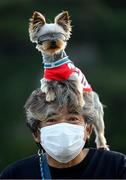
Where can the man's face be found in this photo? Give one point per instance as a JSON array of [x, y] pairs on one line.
[[54, 117]]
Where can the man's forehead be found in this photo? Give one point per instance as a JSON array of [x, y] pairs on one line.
[[54, 111]]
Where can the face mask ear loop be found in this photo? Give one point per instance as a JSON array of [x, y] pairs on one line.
[[40, 154]]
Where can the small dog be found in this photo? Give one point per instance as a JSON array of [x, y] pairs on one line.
[[51, 40]]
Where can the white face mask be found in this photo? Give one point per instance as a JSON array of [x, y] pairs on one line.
[[62, 141]]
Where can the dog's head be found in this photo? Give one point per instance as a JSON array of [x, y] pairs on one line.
[[50, 38]]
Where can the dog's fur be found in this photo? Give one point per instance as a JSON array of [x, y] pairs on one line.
[[51, 40]]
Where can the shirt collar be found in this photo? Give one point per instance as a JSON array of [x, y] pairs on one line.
[[57, 63]]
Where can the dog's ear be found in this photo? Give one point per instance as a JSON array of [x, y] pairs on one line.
[[63, 19], [36, 21]]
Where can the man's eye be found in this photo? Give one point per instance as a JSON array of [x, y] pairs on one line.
[[73, 119]]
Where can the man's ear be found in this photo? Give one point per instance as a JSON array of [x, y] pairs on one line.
[[63, 19], [36, 21], [88, 131], [36, 136]]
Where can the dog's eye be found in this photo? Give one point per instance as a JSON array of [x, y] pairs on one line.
[[39, 42], [60, 36], [48, 36], [43, 38]]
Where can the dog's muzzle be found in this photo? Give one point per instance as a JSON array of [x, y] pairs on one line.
[[51, 37]]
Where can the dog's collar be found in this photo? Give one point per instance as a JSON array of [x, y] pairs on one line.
[[57, 63]]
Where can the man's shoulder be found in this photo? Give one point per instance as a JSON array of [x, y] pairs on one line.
[[24, 161], [108, 164], [109, 155], [19, 166], [112, 153], [103, 151]]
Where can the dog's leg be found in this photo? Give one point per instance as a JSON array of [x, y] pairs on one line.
[[50, 96], [74, 77], [45, 87], [99, 123], [99, 131]]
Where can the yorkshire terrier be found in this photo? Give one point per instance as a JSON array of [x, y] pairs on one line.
[[51, 40]]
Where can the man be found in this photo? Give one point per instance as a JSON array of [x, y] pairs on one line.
[[61, 128]]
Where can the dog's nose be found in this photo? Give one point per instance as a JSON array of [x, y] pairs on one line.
[[53, 44]]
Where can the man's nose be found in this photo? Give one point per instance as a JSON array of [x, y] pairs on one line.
[[63, 120]]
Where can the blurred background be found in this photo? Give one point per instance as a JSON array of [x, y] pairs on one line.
[[97, 46]]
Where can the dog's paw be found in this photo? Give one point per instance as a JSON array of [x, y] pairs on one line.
[[44, 89], [50, 96], [44, 86], [106, 147]]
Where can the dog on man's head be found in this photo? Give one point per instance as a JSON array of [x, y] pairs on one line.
[[51, 40]]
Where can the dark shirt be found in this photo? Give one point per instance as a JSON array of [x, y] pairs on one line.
[[98, 164]]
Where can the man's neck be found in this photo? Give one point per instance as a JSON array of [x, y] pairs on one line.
[[52, 58]]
